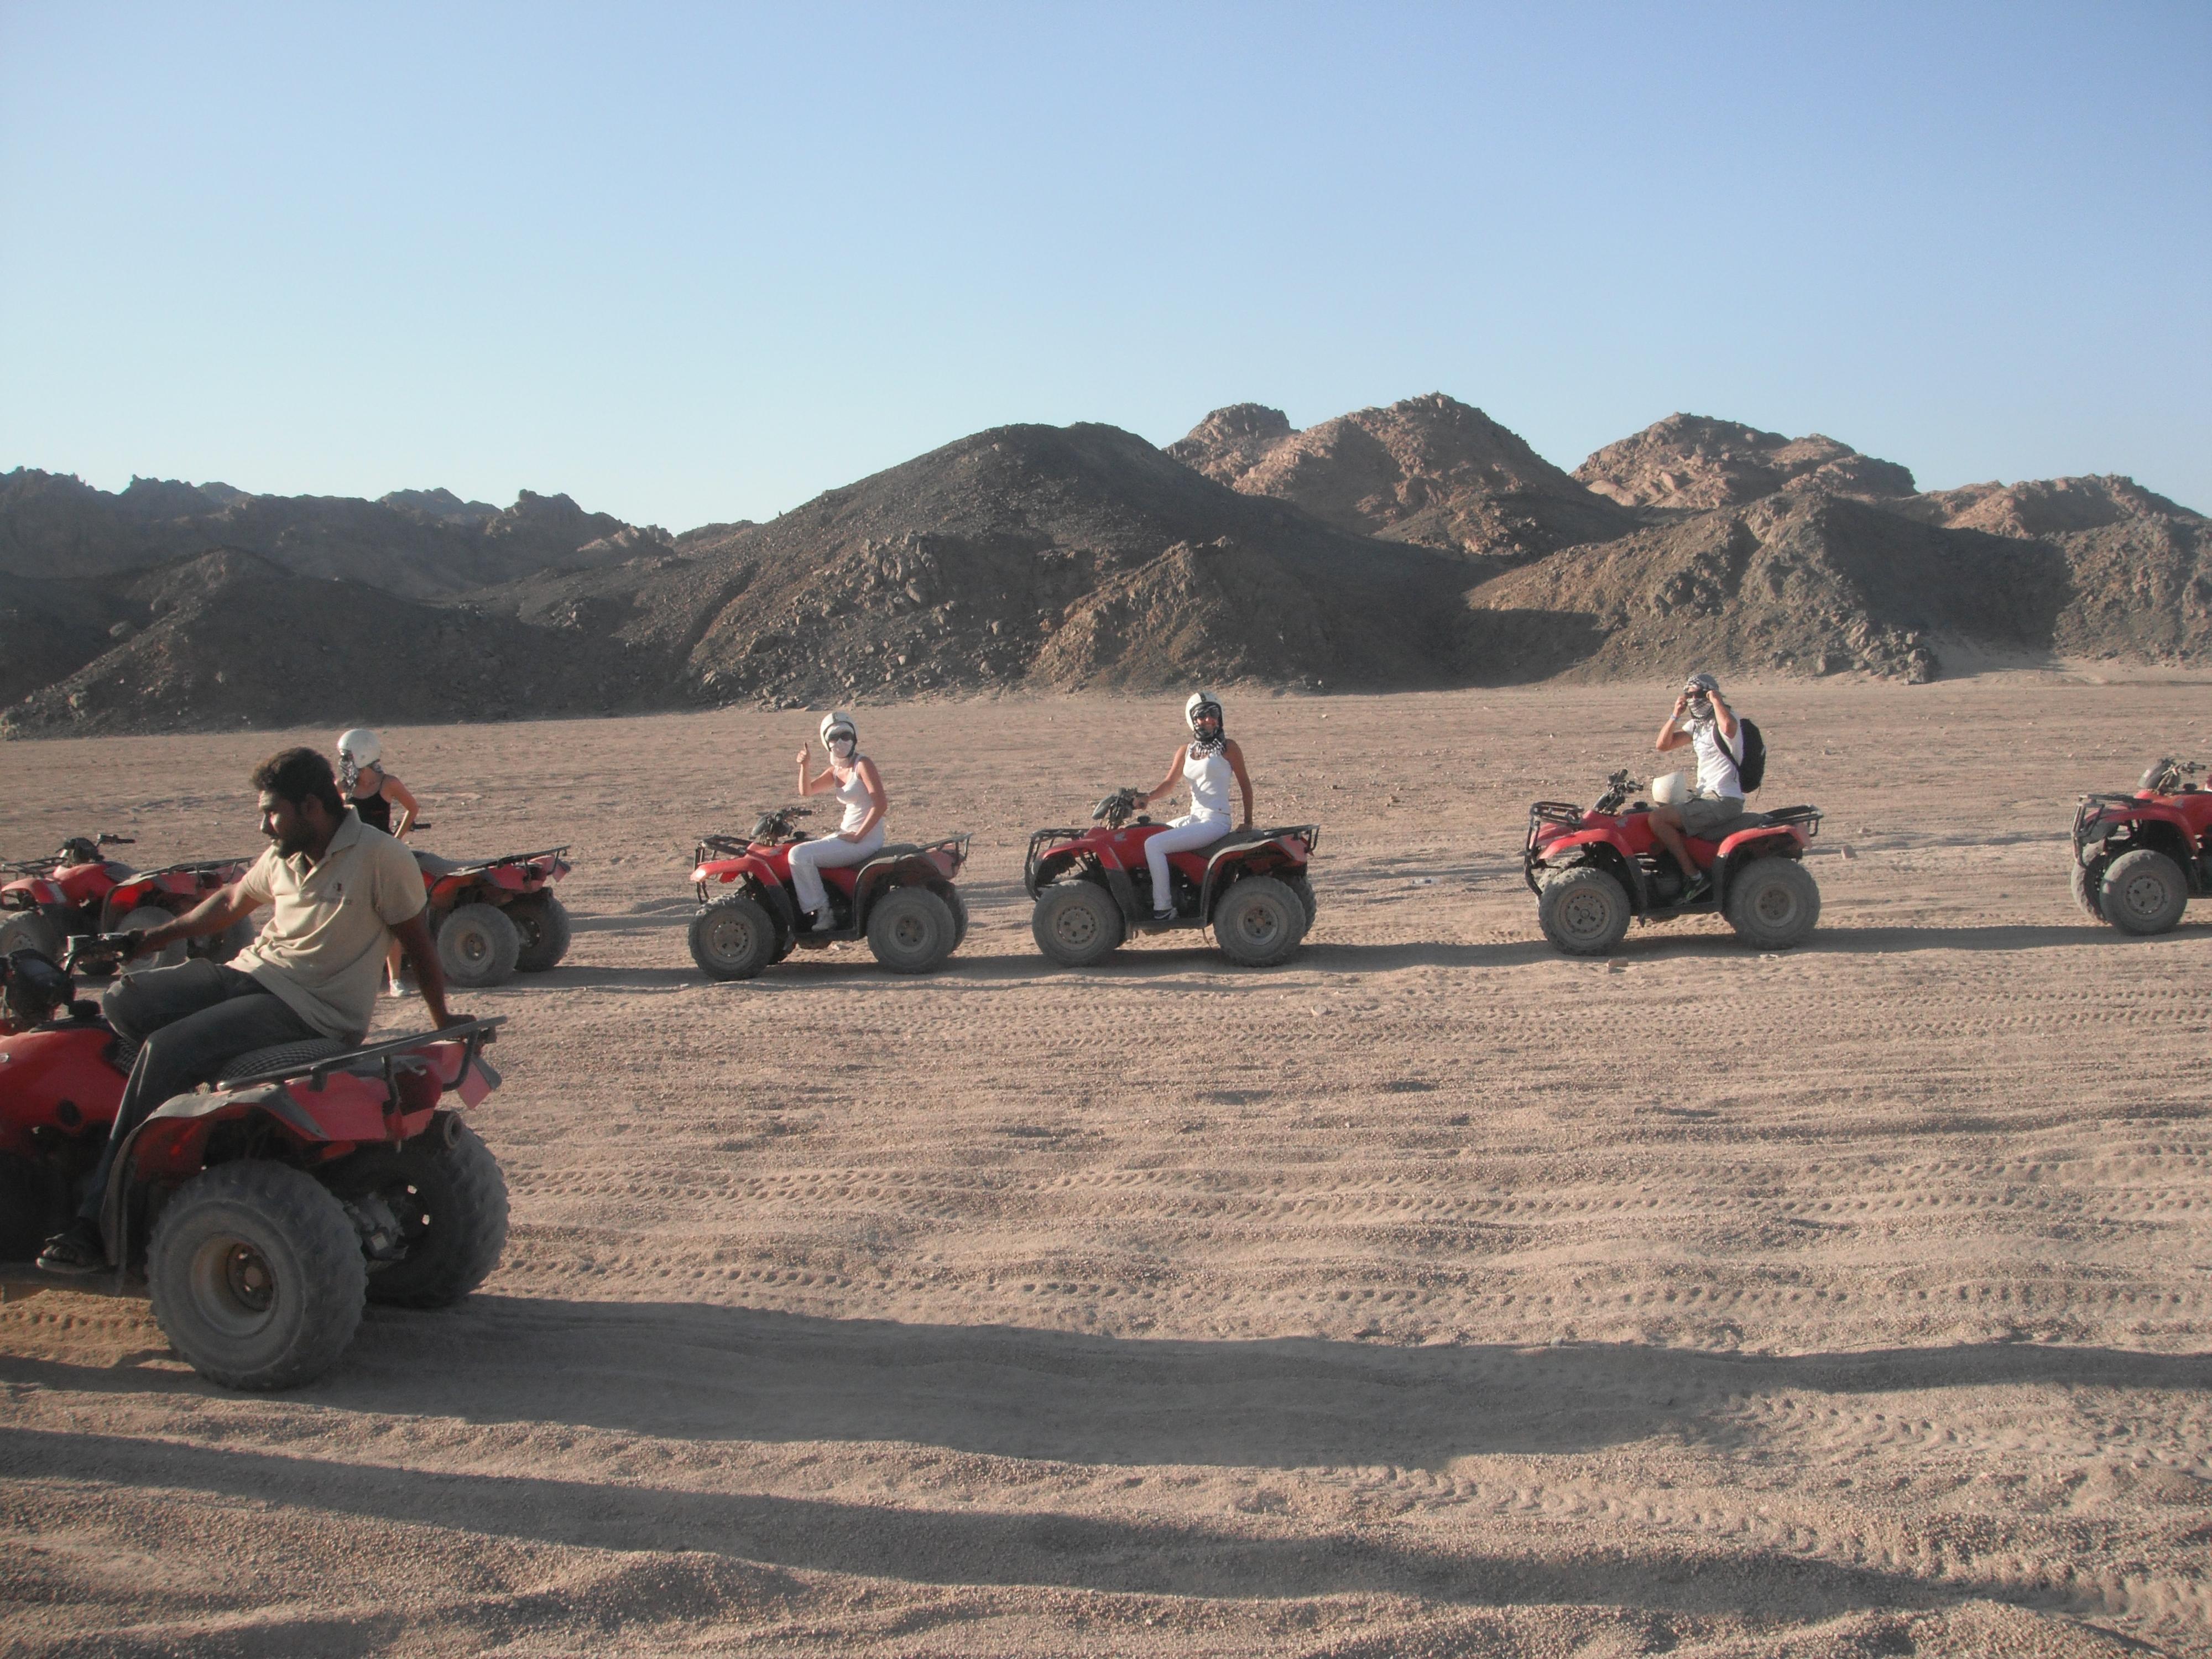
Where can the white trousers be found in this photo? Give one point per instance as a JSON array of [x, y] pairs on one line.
[[1194, 829], [810, 858]]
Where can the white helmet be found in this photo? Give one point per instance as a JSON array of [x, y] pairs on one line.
[[357, 749], [835, 721], [1199, 700]]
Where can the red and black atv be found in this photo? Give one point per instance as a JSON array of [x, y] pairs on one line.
[[495, 918], [902, 901], [257, 1212], [1593, 870], [77, 892], [1093, 886], [2137, 859]]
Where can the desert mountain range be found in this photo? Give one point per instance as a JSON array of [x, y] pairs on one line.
[[1423, 544]]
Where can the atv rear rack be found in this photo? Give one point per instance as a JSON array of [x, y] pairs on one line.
[[475, 1032], [1805, 817], [482, 865]]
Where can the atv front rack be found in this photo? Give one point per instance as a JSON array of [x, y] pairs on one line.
[[474, 1032]]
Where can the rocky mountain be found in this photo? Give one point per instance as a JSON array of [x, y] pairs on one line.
[[1431, 470], [1414, 546], [1693, 463], [418, 544], [230, 638]]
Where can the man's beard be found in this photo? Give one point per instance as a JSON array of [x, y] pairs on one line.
[[299, 841]]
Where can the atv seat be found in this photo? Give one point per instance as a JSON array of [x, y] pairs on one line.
[[431, 864], [903, 849], [304, 1052], [1735, 826]]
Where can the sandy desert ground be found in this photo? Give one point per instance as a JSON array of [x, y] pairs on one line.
[[1431, 1295]]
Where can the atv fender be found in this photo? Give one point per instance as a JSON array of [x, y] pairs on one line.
[[1602, 848], [906, 866], [1240, 856], [1767, 841]]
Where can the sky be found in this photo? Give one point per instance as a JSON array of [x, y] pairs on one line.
[[691, 264]]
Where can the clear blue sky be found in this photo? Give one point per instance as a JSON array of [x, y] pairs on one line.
[[699, 263]]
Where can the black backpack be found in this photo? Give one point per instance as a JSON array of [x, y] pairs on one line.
[[1751, 770]]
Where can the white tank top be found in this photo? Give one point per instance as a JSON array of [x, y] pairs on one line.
[[1716, 760], [1209, 779], [855, 795]]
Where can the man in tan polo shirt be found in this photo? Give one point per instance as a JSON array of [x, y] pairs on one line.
[[338, 891]]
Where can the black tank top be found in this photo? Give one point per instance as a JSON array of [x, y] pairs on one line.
[[375, 811]]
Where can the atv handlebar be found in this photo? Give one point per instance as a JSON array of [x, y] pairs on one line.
[[97, 951], [1618, 788], [2169, 776], [1113, 810]]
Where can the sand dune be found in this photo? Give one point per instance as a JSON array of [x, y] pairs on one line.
[[1431, 1295]]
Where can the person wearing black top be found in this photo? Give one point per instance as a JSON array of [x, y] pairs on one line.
[[372, 792]]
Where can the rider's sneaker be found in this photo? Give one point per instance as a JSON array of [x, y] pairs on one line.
[[1696, 891], [825, 922], [76, 1250]]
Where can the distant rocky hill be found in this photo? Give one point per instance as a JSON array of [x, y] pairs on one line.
[[418, 544], [1418, 545], [1691, 463], [1429, 470]]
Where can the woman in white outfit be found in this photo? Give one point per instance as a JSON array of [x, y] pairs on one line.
[[1207, 764], [860, 789]]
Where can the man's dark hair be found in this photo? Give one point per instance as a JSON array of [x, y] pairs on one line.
[[296, 774]]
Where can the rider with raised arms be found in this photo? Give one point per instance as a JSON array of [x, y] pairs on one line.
[[1207, 764], [851, 776], [1714, 730]]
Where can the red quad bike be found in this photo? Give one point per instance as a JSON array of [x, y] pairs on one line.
[[258, 1212], [1595, 870], [902, 901], [2138, 858], [496, 917], [1091, 886], [77, 892]]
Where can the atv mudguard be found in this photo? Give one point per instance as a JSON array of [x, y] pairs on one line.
[[1600, 847], [906, 865], [323, 1111], [1258, 852], [2156, 821], [1764, 840]]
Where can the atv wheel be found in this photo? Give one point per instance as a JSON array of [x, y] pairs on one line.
[[958, 905], [543, 921], [444, 1193], [2143, 892], [911, 930], [1076, 923], [733, 938], [138, 922], [1303, 886], [1583, 910], [2086, 880], [33, 931], [1773, 902], [1258, 922], [477, 946], [256, 1275]]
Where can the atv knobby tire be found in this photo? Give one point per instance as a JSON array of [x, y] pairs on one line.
[[543, 922], [1773, 902], [144, 918], [1258, 922], [959, 908], [444, 1190], [477, 946], [733, 938], [2086, 880], [1076, 923], [1583, 910], [911, 930], [1303, 886], [2143, 892], [256, 1275], [30, 930]]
